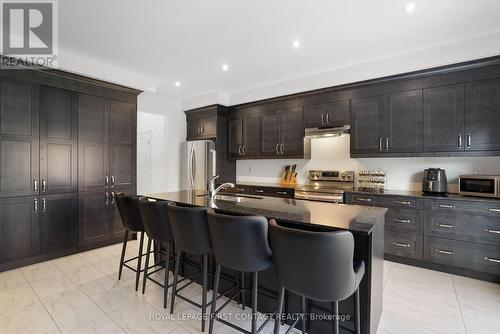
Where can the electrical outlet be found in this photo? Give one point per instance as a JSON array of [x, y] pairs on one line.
[[250, 169], [477, 171]]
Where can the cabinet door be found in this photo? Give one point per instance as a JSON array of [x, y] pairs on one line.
[[58, 222], [482, 115], [235, 136], [271, 136], [93, 143], [19, 138], [339, 113], [403, 122], [315, 115], [367, 125], [116, 227], [18, 228], [94, 217], [443, 120], [58, 140], [209, 127], [251, 134], [292, 131], [122, 144], [193, 127]]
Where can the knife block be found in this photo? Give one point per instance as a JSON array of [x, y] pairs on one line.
[[287, 178]]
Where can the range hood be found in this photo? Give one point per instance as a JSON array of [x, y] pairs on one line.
[[327, 132]]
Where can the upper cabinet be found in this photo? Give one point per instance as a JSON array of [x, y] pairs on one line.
[[204, 123], [368, 125], [332, 114], [244, 134]]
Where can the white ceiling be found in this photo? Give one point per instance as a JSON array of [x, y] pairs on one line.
[[188, 40]]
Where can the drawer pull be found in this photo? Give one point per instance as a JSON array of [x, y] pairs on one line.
[[442, 251], [240, 189], [489, 259], [492, 231], [446, 206], [400, 244], [402, 202], [282, 192], [363, 199], [493, 210], [445, 225], [402, 221], [259, 191]]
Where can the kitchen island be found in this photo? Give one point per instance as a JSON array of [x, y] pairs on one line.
[[366, 224]]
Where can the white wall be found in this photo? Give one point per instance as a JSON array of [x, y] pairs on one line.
[[163, 117], [333, 153]]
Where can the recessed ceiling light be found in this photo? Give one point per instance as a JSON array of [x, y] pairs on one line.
[[225, 67], [296, 44], [410, 7], [177, 84]]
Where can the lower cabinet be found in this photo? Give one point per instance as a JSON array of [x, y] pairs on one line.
[[403, 244], [58, 222], [19, 221]]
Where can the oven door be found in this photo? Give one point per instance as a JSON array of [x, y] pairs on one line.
[[320, 196], [478, 186]]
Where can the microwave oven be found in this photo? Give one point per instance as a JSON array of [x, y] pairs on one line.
[[479, 185]]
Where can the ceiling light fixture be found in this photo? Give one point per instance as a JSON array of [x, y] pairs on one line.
[[296, 44], [177, 84], [225, 67], [410, 7]]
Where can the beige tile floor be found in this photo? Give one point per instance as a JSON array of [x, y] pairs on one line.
[[81, 294]]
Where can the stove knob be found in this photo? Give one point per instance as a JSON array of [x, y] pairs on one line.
[[343, 175]]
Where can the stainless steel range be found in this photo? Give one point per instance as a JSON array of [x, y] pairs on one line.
[[326, 186]]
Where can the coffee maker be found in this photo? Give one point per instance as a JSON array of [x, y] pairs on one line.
[[435, 181]]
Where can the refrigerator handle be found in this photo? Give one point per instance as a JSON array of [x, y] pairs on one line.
[[193, 167]]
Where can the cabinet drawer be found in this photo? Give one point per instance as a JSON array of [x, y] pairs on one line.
[[399, 202], [238, 189], [469, 255], [403, 244], [360, 199], [272, 191], [404, 220], [463, 226], [488, 208]]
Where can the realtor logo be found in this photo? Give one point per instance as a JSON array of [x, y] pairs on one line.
[[29, 32]]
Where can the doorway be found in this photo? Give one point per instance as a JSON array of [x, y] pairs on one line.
[[144, 163]]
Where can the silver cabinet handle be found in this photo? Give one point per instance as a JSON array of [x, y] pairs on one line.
[[240, 189], [402, 202], [444, 206], [459, 140], [489, 259], [277, 146], [327, 118], [442, 251], [493, 210], [35, 205], [380, 144], [322, 118], [44, 185], [445, 225], [402, 221], [469, 140], [112, 181], [35, 185], [387, 144], [400, 244], [106, 195], [363, 199], [239, 150], [202, 128], [244, 149], [492, 231], [259, 190], [282, 147], [106, 181], [112, 197], [282, 192], [44, 205]]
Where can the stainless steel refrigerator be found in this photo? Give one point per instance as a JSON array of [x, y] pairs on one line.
[[201, 163]]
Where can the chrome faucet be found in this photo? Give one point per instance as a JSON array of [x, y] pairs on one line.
[[212, 191]]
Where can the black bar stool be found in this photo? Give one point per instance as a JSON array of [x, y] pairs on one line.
[[157, 225], [240, 243], [128, 207], [325, 260], [190, 231]]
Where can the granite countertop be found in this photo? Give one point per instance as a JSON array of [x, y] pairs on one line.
[[357, 219], [419, 194], [267, 184]]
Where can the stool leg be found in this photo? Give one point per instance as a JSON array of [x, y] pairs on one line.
[[279, 311], [145, 278], [122, 257], [242, 295], [303, 310], [204, 295], [357, 326], [139, 262], [174, 286], [254, 302], [214, 299], [335, 322], [167, 273]]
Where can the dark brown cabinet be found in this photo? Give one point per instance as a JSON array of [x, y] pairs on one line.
[[244, 135], [58, 222], [482, 115], [94, 217], [271, 133], [443, 119], [368, 125], [332, 114], [201, 127], [19, 138], [19, 228]]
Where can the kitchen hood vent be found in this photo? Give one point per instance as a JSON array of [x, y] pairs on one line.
[[327, 132]]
